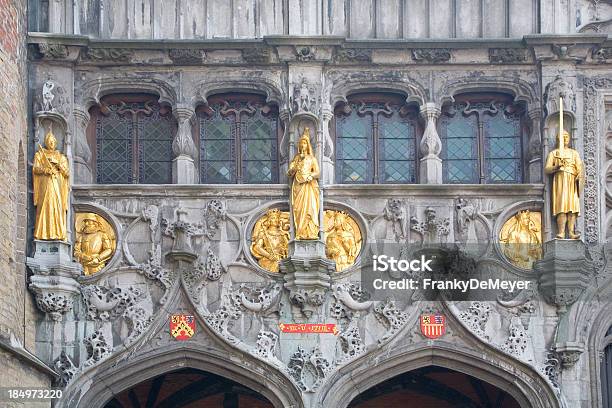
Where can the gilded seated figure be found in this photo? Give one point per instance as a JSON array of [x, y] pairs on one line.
[[342, 243], [93, 247], [270, 240], [521, 238]]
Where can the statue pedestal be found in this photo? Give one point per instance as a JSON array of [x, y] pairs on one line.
[[54, 282], [564, 272], [307, 274]]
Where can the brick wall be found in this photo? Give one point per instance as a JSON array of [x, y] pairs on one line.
[[16, 306]]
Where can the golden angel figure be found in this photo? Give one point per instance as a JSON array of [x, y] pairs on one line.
[[567, 169], [51, 183], [304, 169]]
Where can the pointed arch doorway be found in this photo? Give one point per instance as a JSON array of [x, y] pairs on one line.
[[434, 387], [189, 388]]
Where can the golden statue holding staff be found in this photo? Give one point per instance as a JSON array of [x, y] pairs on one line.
[[305, 205], [50, 178], [565, 165]]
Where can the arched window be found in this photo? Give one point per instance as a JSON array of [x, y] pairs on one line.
[[376, 140], [238, 140], [133, 140], [482, 140]]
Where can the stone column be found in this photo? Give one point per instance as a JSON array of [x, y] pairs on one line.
[[183, 165], [535, 146], [82, 153], [431, 146], [285, 145], [327, 156]]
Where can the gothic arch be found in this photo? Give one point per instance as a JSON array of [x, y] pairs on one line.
[[520, 90], [524, 385], [597, 343], [94, 90], [110, 378], [261, 85]]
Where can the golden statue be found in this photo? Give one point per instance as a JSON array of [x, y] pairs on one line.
[[51, 184], [270, 239], [305, 205], [95, 242], [521, 238], [565, 165], [343, 238]]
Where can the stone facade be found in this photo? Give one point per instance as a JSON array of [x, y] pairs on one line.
[[183, 247], [20, 365]]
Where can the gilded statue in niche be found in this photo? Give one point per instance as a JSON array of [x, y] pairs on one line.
[[342, 238], [566, 166], [95, 242], [305, 200], [50, 174], [521, 238], [270, 239]]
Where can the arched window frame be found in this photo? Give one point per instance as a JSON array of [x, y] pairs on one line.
[[377, 110], [239, 112], [148, 129], [605, 376], [479, 111]]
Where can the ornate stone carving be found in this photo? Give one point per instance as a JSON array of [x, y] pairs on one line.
[[194, 277], [431, 55], [266, 344], [602, 54], [507, 55], [308, 369], [53, 51], [304, 53], [303, 98], [552, 368], [154, 270], [256, 55], [108, 304], [349, 299], [569, 358], [47, 96], [307, 300], [183, 144], [395, 213], [97, 348], [433, 229], [358, 55], [592, 157], [560, 88], [228, 311], [260, 300], [351, 343], [391, 317], [516, 343], [476, 317], [66, 369], [151, 214], [431, 146], [109, 54], [186, 56], [465, 216], [54, 304]]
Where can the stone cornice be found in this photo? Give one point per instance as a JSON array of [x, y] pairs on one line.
[[28, 358]]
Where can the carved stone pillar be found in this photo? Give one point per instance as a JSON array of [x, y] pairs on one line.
[[327, 158], [183, 165], [535, 146], [431, 146], [284, 148], [82, 153]]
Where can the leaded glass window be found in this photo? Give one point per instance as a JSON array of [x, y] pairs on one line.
[[481, 140], [375, 141], [238, 141], [133, 138]]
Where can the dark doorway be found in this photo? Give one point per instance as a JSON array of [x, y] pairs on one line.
[[434, 387], [189, 388]]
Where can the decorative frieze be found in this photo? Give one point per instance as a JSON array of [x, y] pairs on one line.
[[186, 56], [109, 54], [431, 55], [353, 55], [507, 55], [97, 347]]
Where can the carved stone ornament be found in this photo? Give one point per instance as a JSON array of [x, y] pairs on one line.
[[507, 55], [308, 301], [552, 368], [431, 55], [308, 369], [560, 88], [108, 304], [394, 213], [358, 55], [466, 212], [47, 96], [186, 56], [569, 358], [303, 98], [53, 51], [266, 344], [304, 53], [476, 317], [516, 343], [66, 369], [256, 55], [390, 317], [602, 54], [153, 269], [109, 54], [521, 238], [55, 304], [97, 348], [433, 229]]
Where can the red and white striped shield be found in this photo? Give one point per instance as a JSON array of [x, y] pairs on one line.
[[433, 325]]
